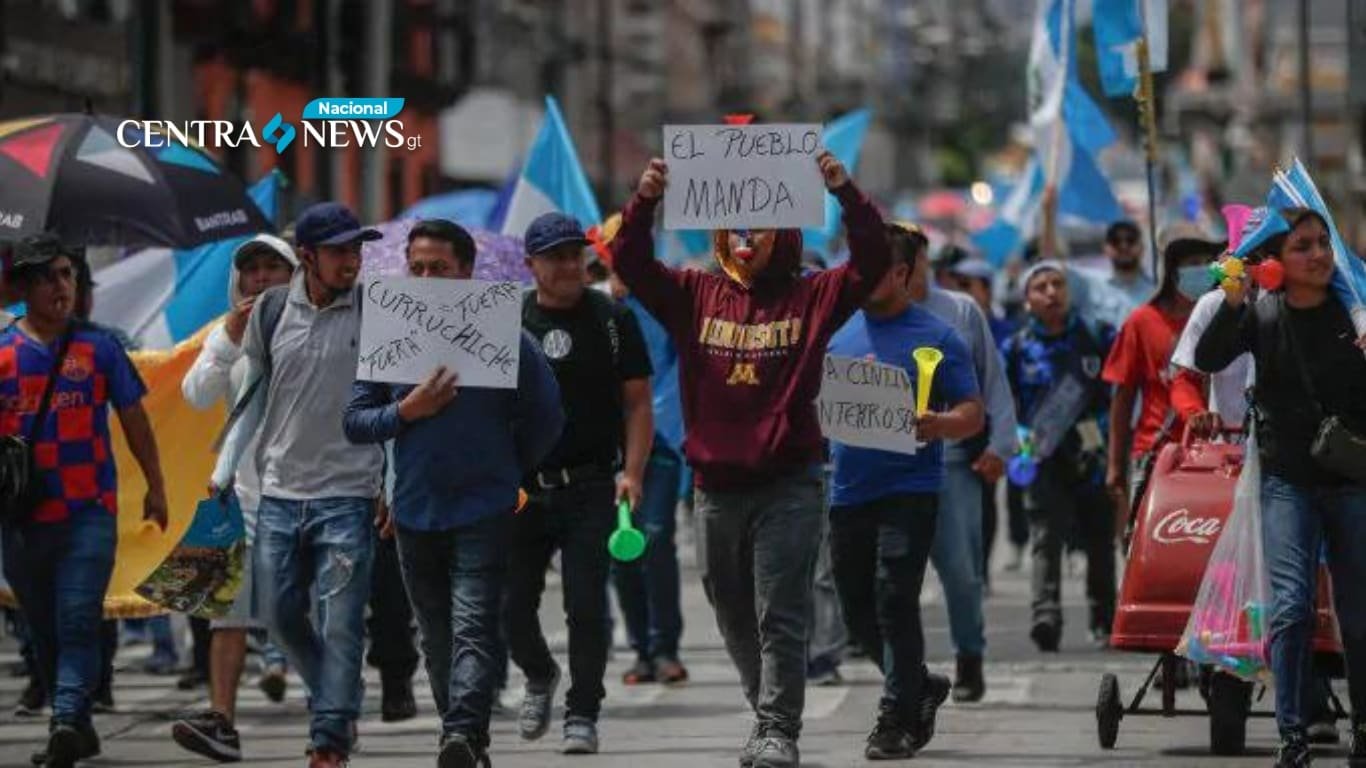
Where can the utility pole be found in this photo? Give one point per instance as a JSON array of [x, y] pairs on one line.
[[1306, 86], [606, 114], [379, 63]]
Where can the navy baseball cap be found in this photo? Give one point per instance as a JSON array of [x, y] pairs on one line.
[[553, 229], [330, 224]]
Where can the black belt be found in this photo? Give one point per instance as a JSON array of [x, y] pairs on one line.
[[563, 477]]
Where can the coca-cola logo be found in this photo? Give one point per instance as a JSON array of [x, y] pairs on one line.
[[1180, 525]]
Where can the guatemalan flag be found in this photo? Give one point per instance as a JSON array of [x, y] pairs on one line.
[[1118, 25], [552, 179], [1069, 131], [1295, 189], [161, 296]]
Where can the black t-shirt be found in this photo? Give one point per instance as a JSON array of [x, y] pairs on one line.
[[592, 348], [1289, 420]]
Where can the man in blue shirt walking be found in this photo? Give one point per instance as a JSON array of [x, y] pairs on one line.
[[884, 504], [454, 500]]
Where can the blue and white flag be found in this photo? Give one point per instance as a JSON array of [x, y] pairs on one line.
[[844, 138], [1069, 130], [1118, 25], [1295, 189], [160, 296], [1016, 220], [552, 179]]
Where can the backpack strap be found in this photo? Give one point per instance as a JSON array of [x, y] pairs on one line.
[[271, 305]]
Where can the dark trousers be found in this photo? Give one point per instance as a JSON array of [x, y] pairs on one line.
[[393, 647], [758, 551], [1016, 517], [201, 639], [648, 589], [880, 551], [1057, 501], [455, 580], [989, 517], [576, 520], [59, 573]]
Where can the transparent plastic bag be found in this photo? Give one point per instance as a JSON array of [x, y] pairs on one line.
[[1228, 622]]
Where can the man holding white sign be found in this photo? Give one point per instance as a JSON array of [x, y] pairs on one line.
[[453, 499], [885, 493], [750, 345]]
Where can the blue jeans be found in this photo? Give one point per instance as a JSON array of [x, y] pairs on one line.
[[455, 579], [1296, 521], [648, 589], [957, 556], [327, 545], [59, 573]]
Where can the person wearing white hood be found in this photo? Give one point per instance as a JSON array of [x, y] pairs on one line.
[[220, 374]]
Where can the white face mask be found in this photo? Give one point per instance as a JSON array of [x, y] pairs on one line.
[[604, 286]]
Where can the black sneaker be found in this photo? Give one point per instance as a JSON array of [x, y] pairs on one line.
[[103, 703], [458, 751], [936, 691], [274, 683], [969, 684], [1293, 752], [32, 701], [1045, 636], [1357, 757], [208, 734], [396, 700], [67, 744], [192, 680], [537, 700], [776, 749], [889, 741]]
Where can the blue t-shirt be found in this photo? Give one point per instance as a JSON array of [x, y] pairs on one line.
[[865, 474]]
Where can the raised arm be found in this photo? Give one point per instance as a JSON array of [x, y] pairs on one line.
[[1229, 335], [662, 290], [209, 380]]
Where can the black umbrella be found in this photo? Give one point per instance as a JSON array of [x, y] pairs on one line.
[[68, 174]]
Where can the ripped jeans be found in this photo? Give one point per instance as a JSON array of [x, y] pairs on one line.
[[321, 547]]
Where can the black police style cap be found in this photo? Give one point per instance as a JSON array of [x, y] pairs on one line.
[[39, 250]]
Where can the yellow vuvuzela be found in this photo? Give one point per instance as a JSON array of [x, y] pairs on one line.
[[926, 360]]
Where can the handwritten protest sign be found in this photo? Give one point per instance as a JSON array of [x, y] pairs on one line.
[[867, 404], [409, 326], [743, 177]]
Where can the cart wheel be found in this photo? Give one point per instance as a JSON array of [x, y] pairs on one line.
[[1229, 702], [1109, 711]]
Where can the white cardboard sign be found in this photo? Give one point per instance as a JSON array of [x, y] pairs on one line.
[[867, 404], [743, 177], [409, 326]]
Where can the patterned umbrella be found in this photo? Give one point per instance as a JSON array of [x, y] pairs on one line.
[[497, 257], [68, 174]]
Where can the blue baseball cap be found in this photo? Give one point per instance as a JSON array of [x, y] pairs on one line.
[[974, 267], [330, 224], [553, 229]]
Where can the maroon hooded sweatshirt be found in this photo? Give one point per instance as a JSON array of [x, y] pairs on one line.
[[750, 357]]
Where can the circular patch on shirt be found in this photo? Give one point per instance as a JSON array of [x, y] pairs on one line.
[[557, 344]]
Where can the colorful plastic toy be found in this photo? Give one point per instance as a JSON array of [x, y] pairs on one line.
[[927, 359], [627, 542]]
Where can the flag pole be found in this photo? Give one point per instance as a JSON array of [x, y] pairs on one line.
[[1147, 116]]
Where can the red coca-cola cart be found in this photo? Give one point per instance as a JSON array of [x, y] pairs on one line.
[[1182, 512]]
